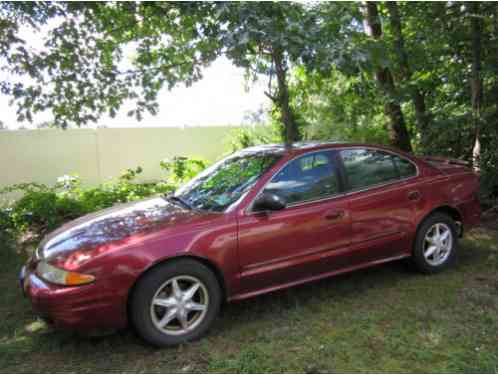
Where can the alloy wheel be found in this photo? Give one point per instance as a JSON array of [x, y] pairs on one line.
[[438, 243], [179, 305]]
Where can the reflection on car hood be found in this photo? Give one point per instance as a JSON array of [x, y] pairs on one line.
[[113, 224]]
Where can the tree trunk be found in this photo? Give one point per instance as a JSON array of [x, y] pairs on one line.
[[398, 133], [291, 131], [418, 98], [476, 81]]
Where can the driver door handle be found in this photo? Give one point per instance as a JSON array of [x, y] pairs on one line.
[[334, 215], [414, 195]]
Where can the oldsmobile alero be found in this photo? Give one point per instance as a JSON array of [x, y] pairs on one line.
[[262, 219]]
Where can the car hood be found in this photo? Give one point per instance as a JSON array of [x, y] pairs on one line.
[[114, 224]]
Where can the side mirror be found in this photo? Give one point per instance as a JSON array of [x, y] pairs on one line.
[[269, 202]]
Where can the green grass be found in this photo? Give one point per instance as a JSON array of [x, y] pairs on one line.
[[384, 319]]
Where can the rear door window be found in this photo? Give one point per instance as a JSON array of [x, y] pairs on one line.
[[405, 167], [366, 167]]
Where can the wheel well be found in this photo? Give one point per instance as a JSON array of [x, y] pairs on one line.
[[450, 211], [216, 271]]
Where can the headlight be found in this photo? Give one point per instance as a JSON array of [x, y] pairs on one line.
[[61, 277]]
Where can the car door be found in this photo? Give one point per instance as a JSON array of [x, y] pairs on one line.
[[383, 192], [296, 243]]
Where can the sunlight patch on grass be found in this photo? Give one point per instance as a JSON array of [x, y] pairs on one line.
[[432, 338], [36, 326]]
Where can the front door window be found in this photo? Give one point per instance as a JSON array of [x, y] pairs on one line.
[[307, 178]]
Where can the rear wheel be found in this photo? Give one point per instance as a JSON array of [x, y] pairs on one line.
[[436, 243], [175, 302]]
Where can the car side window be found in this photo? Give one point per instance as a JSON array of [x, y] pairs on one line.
[[306, 178], [365, 167], [405, 167]]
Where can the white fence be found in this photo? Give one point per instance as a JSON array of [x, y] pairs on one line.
[[99, 154]]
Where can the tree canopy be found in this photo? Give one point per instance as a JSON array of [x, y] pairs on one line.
[[418, 75]]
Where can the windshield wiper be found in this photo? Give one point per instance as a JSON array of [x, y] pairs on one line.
[[182, 201]]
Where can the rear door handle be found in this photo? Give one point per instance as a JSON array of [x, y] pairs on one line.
[[414, 195], [335, 215]]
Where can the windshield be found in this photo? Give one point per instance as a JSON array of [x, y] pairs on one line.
[[225, 182]]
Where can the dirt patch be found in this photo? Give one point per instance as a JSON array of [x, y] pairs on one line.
[[489, 218], [482, 292]]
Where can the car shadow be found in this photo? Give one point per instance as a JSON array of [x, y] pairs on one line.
[[336, 287]]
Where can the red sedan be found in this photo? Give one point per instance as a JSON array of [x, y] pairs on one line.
[[262, 219]]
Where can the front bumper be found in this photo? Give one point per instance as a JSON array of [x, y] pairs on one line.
[[83, 308]]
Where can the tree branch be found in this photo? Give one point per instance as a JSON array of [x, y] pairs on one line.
[[272, 97], [156, 68]]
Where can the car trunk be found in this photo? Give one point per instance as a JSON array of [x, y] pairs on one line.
[[448, 166]]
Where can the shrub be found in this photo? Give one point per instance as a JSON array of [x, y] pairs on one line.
[[5, 220], [43, 208], [489, 177], [252, 136], [181, 169]]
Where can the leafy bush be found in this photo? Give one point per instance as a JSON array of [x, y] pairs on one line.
[[252, 136], [5, 220], [182, 169], [43, 208], [489, 175]]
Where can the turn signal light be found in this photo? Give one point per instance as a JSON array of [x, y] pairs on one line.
[[59, 276]]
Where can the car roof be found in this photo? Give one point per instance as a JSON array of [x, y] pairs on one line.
[[303, 147]]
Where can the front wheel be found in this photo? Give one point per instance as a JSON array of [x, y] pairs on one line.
[[175, 302], [435, 244]]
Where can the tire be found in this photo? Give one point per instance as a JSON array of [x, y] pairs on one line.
[[427, 259], [174, 318]]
